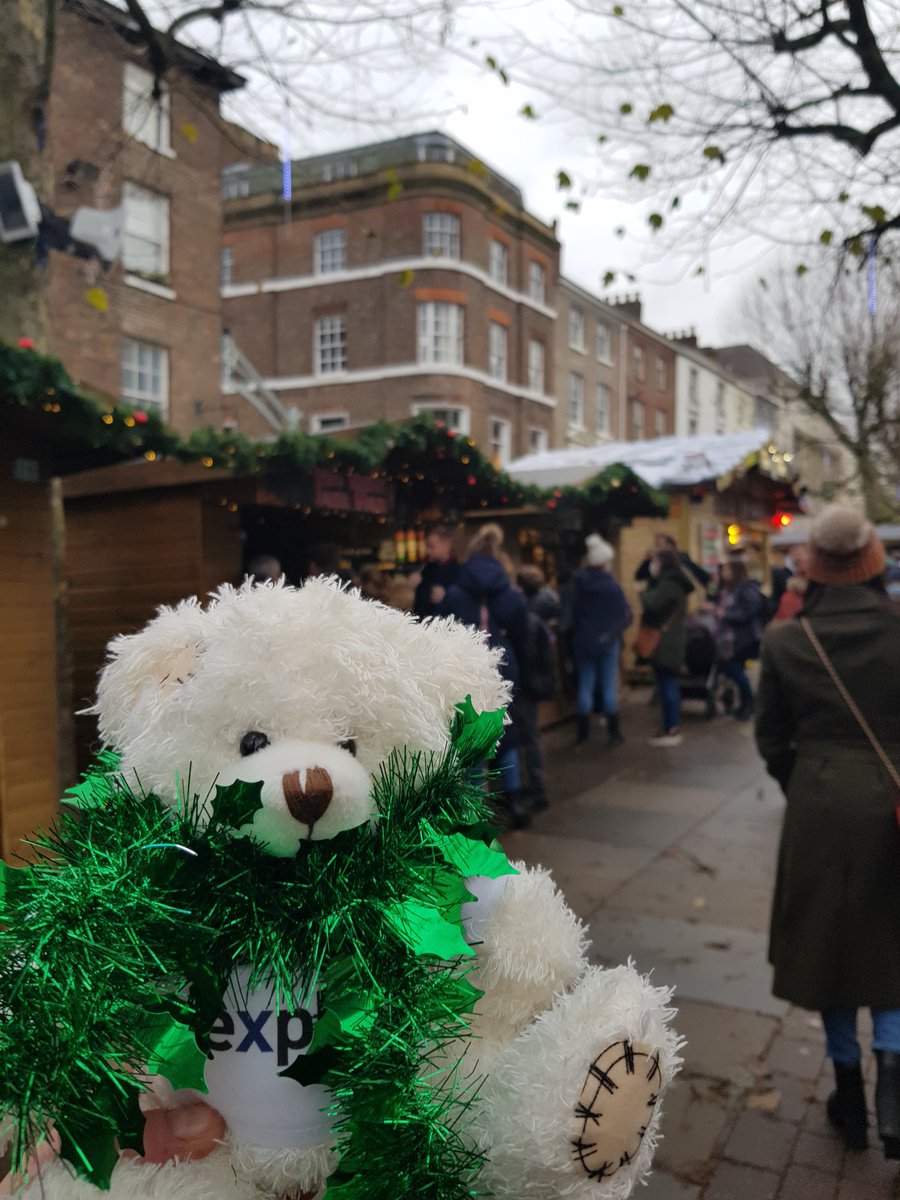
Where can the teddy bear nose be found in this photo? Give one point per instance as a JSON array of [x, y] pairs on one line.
[[307, 800]]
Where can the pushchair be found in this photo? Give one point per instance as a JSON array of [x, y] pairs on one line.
[[701, 677]]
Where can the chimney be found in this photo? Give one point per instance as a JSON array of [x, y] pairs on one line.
[[630, 305]]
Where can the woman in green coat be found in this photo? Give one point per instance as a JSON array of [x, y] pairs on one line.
[[664, 604], [835, 932]]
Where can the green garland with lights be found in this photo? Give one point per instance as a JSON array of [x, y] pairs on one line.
[[118, 945], [427, 460]]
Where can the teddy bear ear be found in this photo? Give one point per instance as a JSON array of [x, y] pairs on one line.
[[144, 668], [462, 663]]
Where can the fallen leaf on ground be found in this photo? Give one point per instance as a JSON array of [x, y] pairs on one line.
[[764, 1101]]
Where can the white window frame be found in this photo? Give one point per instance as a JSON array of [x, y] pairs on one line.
[[330, 251], [638, 420], [440, 235], [501, 427], [660, 421], [537, 281], [576, 400], [323, 422], [156, 398], [226, 266], [537, 365], [460, 416], [538, 440], [498, 262], [138, 238], [693, 386], [330, 344], [440, 333], [146, 120], [721, 421], [235, 182], [498, 351], [604, 342], [661, 380], [603, 408], [576, 330], [639, 359]]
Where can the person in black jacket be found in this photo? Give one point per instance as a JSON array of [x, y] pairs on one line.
[[438, 573], [484, 598], [595, 616], [741, 608]]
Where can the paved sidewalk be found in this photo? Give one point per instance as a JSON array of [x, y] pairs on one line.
[[669, 856]]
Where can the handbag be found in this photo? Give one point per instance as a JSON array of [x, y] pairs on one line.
[[646, 642], [892, 772]]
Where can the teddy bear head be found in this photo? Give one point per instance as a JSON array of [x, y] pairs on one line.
[[306, 691]]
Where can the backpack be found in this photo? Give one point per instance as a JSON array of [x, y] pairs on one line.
[[538, 669]]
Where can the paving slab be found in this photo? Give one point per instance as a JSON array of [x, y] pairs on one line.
[[702, 961]]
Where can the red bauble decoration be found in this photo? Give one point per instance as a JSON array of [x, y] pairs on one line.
[[551, 504], [140, 418], [451, 433], [26, 343], [471, 481]]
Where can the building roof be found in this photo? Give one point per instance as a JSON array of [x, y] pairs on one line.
[[751, 365], [662, 462], [200, 65], [356, 161]]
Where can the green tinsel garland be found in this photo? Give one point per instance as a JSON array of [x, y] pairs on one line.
[[117, 946]]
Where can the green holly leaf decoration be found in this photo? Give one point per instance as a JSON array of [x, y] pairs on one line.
[[473, 857], [177, 1056], [426, 932], [474, 736], [98, 783], [312, 1067], [236, 804], [93, 1154]]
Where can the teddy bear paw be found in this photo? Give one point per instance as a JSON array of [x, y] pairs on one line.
[[572, 1105]]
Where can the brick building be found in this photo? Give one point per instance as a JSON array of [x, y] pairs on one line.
[[588, 380], [149, 328], [401, 278]]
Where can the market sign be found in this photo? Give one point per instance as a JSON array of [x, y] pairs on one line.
[[352, 493]]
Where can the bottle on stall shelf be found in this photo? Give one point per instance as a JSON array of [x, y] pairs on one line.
[[412, 546], [400, 545]]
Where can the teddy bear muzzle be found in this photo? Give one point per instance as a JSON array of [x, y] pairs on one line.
[[307, 794]]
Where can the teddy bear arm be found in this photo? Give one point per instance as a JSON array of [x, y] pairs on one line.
[[530, 947]]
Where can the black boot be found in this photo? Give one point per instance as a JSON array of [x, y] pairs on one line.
[[518, 809], [613, 732], [847, 1106], [887, 1101], [583, 728]]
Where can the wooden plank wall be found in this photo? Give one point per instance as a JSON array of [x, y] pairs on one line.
[[29, 786], [128, 553]]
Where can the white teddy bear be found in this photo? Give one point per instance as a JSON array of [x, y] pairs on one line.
[[309, 691]]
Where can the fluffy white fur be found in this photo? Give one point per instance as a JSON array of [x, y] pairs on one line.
[[311, 667], [840, 530]]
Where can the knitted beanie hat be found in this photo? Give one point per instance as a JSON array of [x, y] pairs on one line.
[[599, 552], [844, 548]]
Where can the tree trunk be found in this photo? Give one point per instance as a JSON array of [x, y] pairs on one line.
[[26, 47], [879, 504]]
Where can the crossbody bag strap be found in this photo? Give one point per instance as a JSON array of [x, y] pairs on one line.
[[864, 725]]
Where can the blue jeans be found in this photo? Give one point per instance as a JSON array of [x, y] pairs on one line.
[[509, 771], [603, 664], [733, 669], [669, 696], [840, 1033]]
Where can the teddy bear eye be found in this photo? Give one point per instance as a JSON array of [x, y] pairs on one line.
[[253, 741], [348, 744]]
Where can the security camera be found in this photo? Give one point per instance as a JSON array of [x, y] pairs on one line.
[[20, 210]]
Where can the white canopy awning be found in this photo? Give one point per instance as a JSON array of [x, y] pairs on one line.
[[662, 462]]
